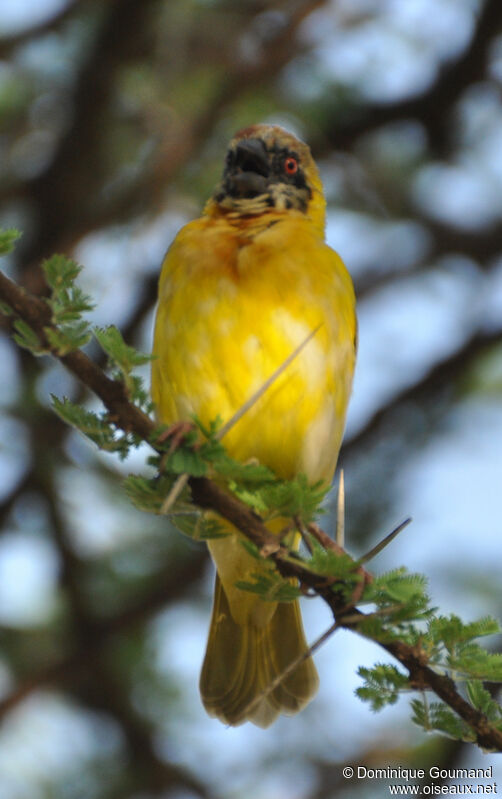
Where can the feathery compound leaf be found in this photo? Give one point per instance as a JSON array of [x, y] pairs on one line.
[[248, 481], [185, 460], [451, 631], [375, 627], [330, 563], [296, 497], [67, 301], [271, 587], [475, 661], [482, 700], [251, 549], [148, 494], [139, 394], [92, 426], [60, 272], [242, 475], [8, 238], [121, 354], [198, 526], [273, 497], [26, 337], [68, 338], [397, 586], [438, 717], [420, 714], [383, 684], [252, 499], [125, 358]]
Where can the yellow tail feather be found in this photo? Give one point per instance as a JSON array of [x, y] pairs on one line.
[[243, 659]]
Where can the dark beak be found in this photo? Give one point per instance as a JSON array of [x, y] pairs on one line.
[[248, 171], [251, 156]]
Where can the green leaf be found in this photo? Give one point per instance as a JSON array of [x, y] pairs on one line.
[[139, 395], [199, 526], [482, 700], [125, 357], [60, 272], [251, 549], [383, 683], [68, 338], [94, 427], [244, 476], [437, 717], [261, 490], [5, 309], [67, 303], [8, 238], [451, 631], [420, 714], [295, 497], [208, 431], [252, 483], [405, 594], [330, 563], [271, 586], [186, 460], [397, 586], [26, 337], [375, 628], [252, 499], [148, 494], [475, 661]]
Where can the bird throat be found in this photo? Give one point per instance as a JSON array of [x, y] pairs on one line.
[[278, 197]]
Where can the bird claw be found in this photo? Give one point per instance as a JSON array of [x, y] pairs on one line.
[[176, 432]]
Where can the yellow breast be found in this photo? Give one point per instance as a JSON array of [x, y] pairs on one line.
[[235, 300]]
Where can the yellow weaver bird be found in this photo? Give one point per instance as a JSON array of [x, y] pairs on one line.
[[241, 288]]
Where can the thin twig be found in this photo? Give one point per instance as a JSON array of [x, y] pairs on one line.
[[265, 386], [174, 493], [324, 538]]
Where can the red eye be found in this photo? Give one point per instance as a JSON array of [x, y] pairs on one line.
[[291, 166]]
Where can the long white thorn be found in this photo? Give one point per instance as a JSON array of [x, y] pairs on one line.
[[340, 512]]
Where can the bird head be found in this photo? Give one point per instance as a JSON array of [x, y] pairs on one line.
[[268, 170]]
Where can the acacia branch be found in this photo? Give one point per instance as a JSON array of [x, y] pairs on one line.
[[37, 314], [206, 494]]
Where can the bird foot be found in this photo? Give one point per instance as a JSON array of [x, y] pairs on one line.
[[176, 432]]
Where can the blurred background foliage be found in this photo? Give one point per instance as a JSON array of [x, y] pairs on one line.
[[114, 117]]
